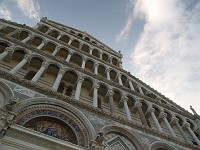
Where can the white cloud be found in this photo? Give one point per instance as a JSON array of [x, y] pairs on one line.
[[167, 55], [4, 12], [124, 33], [29, 8]]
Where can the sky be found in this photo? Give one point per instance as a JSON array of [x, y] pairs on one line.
[[159, 39]]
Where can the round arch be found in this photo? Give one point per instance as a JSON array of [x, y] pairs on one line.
[[125, 133], [6, 42], [48, 107], [161, 146]]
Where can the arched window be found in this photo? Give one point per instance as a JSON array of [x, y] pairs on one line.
[[30, 75]]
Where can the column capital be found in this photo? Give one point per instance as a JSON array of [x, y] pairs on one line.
[[119, 75], [137, 104], [110, 93], [162, 115], [9, 50], [31, 36], [124, 99], [96, 86], [45, 42], [84, 58], [107, 70], [80, 79], [186, 125], [174, 120], [45, 64], [150, 110], [27, 57], [96, 65], [61, 71]]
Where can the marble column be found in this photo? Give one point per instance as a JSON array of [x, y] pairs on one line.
[[120, 65], [108, 74], [138, 106], [14, 32], [65, 89], [100, 54], [59, 36], [151, 111], [78, 88], [70, 41], [126, 109], [83, 63], [175, 121], [55, 51], [95, 95], [20, 65], [48, 31], [131, 85], [91, 49], [41, 45], [80, 45], [68, 57], [110, 59], [111, 102], [119, 79], [163, 116], [187, 126], [58, 79], [7, 51], [96, 68], [40, 72], [28, 38], [140, 90]]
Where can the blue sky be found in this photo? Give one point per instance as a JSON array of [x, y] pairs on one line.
[[159, 39]]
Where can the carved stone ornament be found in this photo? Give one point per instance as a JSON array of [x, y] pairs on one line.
[[6, 120], [97, 144], [11, 103]]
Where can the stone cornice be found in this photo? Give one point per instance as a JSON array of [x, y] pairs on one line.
[[96, 76], [80, 104], [185, 112]]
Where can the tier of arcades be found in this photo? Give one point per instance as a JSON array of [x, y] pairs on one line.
[[84, 36], [88, 79], [63, 40]]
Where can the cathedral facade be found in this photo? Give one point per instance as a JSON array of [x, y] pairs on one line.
[[63, 89]]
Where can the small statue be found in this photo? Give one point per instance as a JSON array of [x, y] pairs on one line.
[[97, 144], [100, 138]]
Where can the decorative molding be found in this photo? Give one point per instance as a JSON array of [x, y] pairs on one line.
[[157, 145], [91, 74], [124, 132], [51, 93]]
